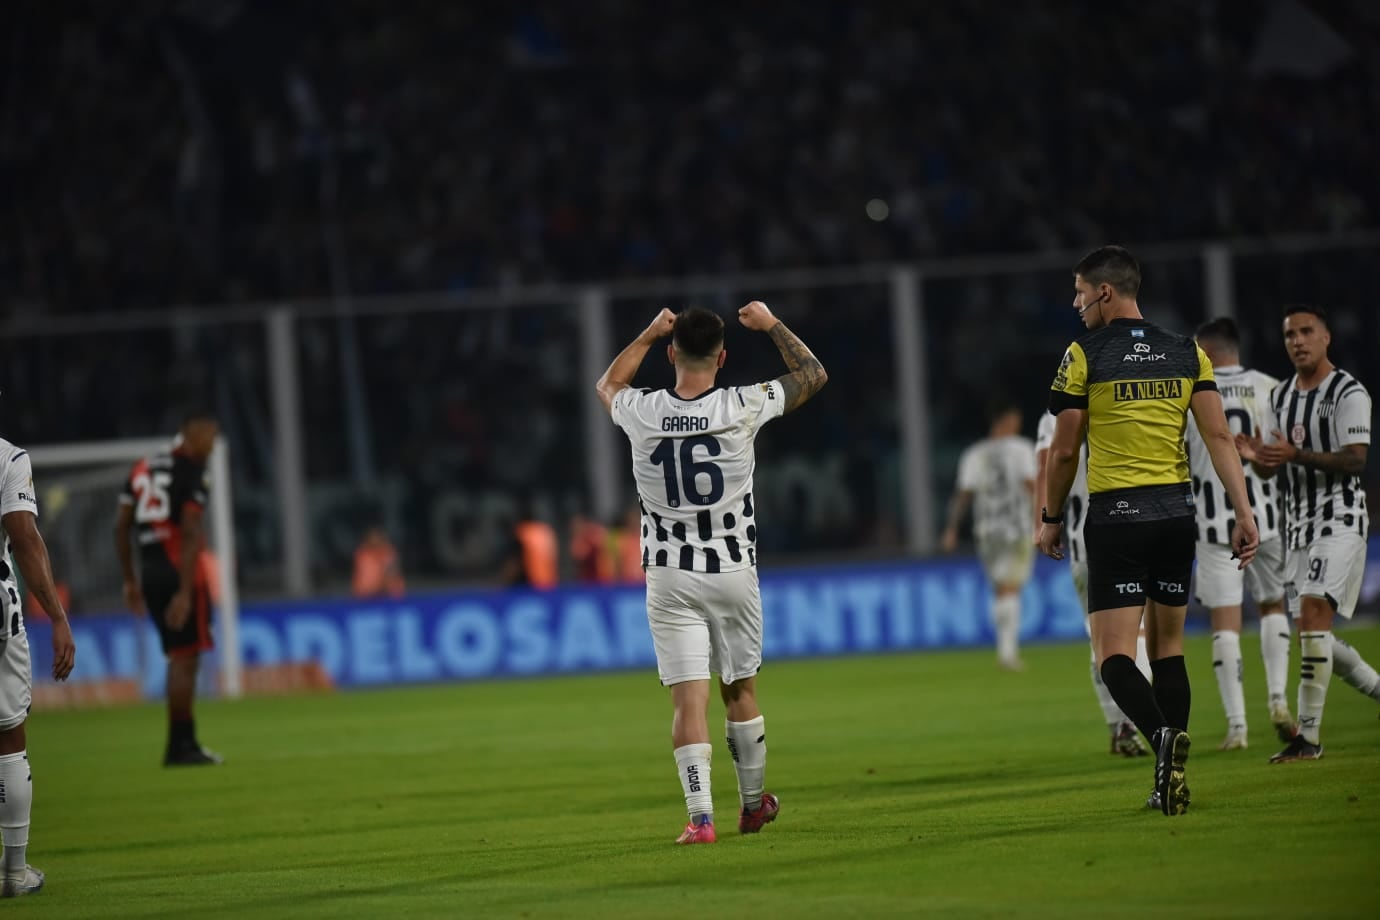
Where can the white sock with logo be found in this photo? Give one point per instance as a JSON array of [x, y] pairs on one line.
[[1315, 671], [1111, 712], [16, 804], [747, 742], [692, 762], [1006, 621], [1348, 664], [1226, 664], [1274, 649]]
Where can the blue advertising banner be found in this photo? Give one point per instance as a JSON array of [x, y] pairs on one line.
[[474, 635]]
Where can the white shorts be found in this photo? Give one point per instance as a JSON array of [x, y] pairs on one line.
[[1331, 568], [16, 682], [1007, 563], [1217, 582], [703, 624]]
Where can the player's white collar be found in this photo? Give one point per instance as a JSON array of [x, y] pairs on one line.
[[1229, 369]]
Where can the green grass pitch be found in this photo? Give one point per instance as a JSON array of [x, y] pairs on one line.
[[910, 785]]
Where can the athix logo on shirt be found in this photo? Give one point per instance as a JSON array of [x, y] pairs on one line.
[[1129, 390], [1122, 509], [1142, 354]]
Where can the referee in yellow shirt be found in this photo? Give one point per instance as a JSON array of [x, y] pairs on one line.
[[1128, 386]]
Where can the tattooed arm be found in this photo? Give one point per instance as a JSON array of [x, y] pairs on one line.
[[807, 376]]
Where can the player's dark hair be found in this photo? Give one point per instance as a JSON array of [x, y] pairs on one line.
[[1111, 265], [999, 405], [698, 333], [1221, 330], [1316, 309]]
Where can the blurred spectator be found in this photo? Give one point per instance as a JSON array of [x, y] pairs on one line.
[[589, 550], [627, 541], [533, 556], [377, 571]]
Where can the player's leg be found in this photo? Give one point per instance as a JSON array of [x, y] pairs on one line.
[[1017, 561], [1327, 576], [183, 647], [1265, 581], [16, 780], [1169, 550], [1124, 738], [1348, 664], [680, 636], [1218, 585], [735, 628]]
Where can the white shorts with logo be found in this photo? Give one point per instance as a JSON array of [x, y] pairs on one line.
[[1007, 563], [16, 682], [703, 624], [1218, 582], [1331, 568]]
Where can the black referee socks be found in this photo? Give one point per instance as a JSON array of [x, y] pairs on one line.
[[1171, 690], [1134, 695]]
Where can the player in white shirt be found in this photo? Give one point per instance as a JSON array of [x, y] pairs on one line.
[[1218, 582], [693, 461], [996, 476], [1125, 739], [24, 547], [1321, 439]]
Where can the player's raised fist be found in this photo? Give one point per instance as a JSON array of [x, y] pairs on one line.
[[756, 316], [660, 327]]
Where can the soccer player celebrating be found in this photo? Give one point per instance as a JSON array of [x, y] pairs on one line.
[[999, 472], [165, 499], [23, 543], [1127, 387], [693, 461], [1124, 739], [1219, 583], [1321, 439]]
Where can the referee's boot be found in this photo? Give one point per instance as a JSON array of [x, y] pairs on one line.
[[1171, 756]]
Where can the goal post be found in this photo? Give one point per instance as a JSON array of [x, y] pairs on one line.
[[78, 486]]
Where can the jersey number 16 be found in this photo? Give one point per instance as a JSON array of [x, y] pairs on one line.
[[690, 470]]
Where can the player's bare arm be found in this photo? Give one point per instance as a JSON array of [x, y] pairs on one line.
[[958, 510], [620, 373], [1041, 462], [124, 528], [807, 375], [1061, 468], [180, 607], [31, 555], [1206, 406], [1349, 460]]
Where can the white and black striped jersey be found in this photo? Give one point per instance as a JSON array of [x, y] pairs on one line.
[[693, 461], [1246, 401], [1076, 506], [998, 471], [1327, 418], [16, 494]]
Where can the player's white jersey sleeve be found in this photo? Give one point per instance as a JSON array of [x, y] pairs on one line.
[[1044, 432], [693, 462], [1245, 401], [16, 481], [1353, 417], [970, 469]]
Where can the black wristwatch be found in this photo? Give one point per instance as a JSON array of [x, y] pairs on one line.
[[1046, 519]]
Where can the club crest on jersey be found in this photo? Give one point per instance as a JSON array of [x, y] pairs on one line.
[[1298, 435]]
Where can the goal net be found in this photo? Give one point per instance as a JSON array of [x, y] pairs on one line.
[[78, 487]]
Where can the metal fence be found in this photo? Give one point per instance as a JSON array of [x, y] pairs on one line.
[[435, 415]]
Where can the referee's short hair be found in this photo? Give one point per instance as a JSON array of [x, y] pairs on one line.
[[1222, 330], [1316, 309], [1112, 265], [698, 332]]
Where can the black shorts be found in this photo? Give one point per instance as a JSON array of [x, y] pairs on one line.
[[160, 583], [1128, 563]]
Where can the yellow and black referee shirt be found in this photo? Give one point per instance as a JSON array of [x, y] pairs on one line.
[[1135, 380]]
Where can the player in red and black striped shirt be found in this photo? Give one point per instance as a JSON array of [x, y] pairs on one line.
[[164, 501]]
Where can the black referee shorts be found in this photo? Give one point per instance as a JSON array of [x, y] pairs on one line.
[[1128, 563]]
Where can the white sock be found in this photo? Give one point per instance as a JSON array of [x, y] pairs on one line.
[[747, 742], [1111, 712], [692, 762], [1274, 649], [1352, 668], [1006, 620], [1226, 664], [16, 804], [1143, 658], [1315, 670]]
